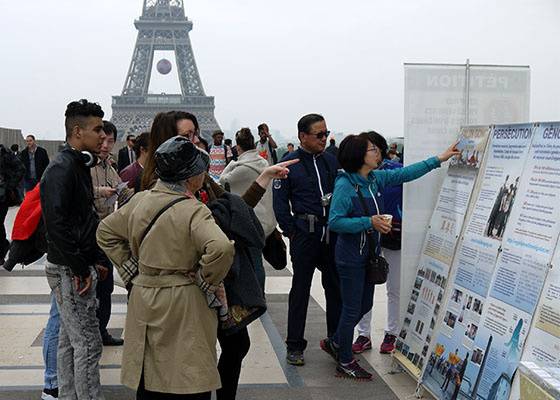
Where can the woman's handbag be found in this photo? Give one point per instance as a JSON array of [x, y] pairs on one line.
[[274, 250], [377, 268]]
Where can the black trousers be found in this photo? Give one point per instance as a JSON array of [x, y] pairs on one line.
[[143, 394], [4, 243], [103, 292], [234, 348], [307, 254]]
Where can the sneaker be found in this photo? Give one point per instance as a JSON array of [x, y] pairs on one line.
[[388, 344], [330, 348], [361, 344], [295, 357], [49, 394], [352, 371]]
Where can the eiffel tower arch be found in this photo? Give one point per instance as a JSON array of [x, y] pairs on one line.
[[162, 26]]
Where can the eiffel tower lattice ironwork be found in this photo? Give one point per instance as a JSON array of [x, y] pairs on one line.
[[162, 26]]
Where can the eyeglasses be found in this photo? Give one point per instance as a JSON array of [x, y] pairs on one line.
[[374, 149], [320, 135]]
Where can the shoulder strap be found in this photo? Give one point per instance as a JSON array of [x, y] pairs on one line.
[[369, 231], [158, 215]]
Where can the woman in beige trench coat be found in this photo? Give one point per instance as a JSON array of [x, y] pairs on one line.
[[170, 335]]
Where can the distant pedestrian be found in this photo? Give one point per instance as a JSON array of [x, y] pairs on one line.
[[126, 154], [133, 172], [220, 155], [35, 159], [266, 146], [233, 149], [332, 148], [20, 188]]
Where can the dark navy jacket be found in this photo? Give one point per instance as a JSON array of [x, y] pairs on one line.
[[300, 193]]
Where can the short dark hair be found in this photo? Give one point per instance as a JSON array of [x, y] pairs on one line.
[[128, 136], [352, 151], [332, 141], [290, 144], [305, 122], [377, 140], [31, 136], [141, 141], [14, 147], [77, 113], [393, 152], [245, 139], [261, 127], [110, 128], [228, 141]]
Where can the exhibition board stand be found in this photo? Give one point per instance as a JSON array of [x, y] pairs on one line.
[[475, 334]]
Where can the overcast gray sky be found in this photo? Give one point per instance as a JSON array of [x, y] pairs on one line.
[[272, 61]]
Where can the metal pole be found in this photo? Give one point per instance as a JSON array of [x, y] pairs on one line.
[[467, 90]]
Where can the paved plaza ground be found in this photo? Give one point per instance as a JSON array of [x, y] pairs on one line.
[[24, 307]]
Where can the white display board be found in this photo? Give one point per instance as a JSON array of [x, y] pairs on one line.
[[435, 108]]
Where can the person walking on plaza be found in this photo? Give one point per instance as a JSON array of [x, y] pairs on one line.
[[301, 207], [266, 146], [105, 180], [360, 186], [220, 155], [12, 171], [35, 159], [66, 193], [170, 334], [126, 154]]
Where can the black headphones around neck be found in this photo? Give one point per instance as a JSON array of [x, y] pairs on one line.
[[89, 158]]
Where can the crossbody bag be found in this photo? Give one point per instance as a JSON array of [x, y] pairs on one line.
[[377, 268]]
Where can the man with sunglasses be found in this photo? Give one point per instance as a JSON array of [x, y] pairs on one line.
[[126, 154], [301, 206]]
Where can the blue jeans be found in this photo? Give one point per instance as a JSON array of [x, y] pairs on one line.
[[79, 344], [50, 345], [357, 299]]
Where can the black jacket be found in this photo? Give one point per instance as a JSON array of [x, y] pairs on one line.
[[123, 159], [68, 212], [41, 161], [12, 171], [239, 222]]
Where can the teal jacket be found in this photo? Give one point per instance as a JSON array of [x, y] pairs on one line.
[[347, 215]]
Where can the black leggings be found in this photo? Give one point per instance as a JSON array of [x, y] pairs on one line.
[[143, 394], [234, 348]]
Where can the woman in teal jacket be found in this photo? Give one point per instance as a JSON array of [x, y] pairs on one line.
[[360, 156]]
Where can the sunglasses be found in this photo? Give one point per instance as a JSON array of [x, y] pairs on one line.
[[320, 135]]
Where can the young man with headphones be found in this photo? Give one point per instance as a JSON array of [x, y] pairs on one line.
[[73, 255]]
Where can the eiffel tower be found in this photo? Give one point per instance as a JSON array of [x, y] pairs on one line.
[[162, 26]]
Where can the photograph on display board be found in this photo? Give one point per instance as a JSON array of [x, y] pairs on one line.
[[495, 226]]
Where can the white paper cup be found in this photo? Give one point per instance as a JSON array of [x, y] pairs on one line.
[[388, 218]]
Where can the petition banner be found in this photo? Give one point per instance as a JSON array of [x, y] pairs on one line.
[[507, 152], [439, 247], [529, 240]]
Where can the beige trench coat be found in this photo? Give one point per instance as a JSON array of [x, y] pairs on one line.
[[170, 330]]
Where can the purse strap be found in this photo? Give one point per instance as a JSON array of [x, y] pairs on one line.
[[370, 231], [164, 209]]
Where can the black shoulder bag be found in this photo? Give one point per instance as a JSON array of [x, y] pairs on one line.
[[377, 267]]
